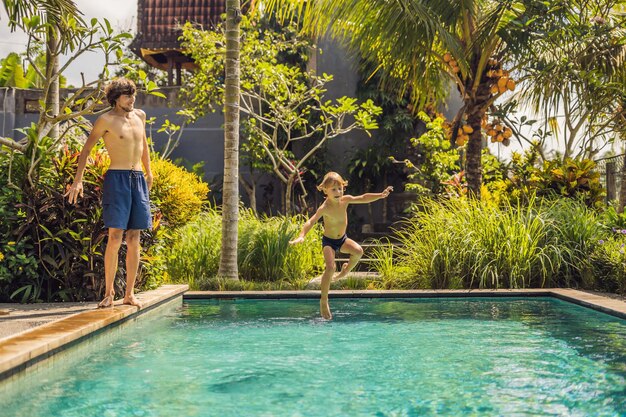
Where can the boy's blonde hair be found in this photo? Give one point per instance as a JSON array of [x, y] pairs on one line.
[[330, 179]]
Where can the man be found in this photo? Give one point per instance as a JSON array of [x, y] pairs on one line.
[[125, 203]]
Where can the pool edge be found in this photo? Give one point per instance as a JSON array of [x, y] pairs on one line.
[[25, 349], [596, 302]]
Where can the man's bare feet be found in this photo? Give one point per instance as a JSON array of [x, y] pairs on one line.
[[342, 273], [107, 302], [132, 301], [325, 309]]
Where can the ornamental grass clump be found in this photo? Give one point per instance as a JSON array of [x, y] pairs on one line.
[[464, 243], [195, 253], [264, 253]]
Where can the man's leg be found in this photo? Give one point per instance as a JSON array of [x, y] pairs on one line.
[[110, 265], [329, 270], [132, 266], [356, 251]]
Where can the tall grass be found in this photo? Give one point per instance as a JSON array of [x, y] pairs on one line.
[[264, 253], [195, 253], [465, 243]]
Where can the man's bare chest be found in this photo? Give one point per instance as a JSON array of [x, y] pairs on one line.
[[126, 131]]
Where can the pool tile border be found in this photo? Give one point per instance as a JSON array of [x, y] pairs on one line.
[[27, 348], [614, 307]]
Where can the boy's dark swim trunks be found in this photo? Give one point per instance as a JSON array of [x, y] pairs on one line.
[[125, 201], [333, 243]]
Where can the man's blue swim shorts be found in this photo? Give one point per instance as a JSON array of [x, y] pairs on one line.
[[125, 201], [333, 243]]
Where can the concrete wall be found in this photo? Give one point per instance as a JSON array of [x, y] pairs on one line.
[[203, 141]]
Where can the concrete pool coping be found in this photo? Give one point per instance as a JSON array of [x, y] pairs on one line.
[[613, 306], [24, 349], [27, 348]]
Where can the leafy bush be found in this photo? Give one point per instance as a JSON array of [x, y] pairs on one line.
[[464, 243], [178, 193], [52, 250], [608, 263], [195, 252], [264, 253], [571, 178]]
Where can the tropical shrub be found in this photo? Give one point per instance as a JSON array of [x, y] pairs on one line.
[[463, 243], [264, 253], [571, 178], [195, 251], [52, 250], [178, 193]]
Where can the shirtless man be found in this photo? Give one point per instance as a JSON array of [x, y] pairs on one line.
[[125, 202], [334, 211]]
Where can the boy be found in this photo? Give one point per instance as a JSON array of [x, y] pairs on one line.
[[125, 202], [334, 211]]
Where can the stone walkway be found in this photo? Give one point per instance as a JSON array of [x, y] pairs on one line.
[[16, 318]]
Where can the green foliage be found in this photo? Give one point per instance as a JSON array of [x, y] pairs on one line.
[[66, 241], [463, 243], [195, 251], [264, 253], [13, 74], [284, 102], [608, 263], [178, 193], [577, 179], [52, 250], [436, 161]]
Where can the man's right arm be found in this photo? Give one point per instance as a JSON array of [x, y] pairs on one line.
[[76, 189]]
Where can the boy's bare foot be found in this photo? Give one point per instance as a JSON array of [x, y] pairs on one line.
[[342, 273], [107, 302], [132, 301], [325, 310]]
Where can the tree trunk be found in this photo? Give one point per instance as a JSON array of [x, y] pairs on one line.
[[52, 68], [230, 202], [289, 194], [473, 168]]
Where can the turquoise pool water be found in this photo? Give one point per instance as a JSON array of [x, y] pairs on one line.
[[378, 357]]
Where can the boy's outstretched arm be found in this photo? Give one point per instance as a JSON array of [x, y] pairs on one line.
[[307, 226], [369, 197]]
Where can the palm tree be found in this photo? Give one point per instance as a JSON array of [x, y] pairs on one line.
[[230, 202], [426, 47], [577, 74]]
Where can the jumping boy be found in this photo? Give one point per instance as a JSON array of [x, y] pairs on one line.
[[334, 211], [125, 202]]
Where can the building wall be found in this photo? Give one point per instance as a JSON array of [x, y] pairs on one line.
[[203, 140]]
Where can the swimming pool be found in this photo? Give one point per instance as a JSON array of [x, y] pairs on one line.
[[378, 357]]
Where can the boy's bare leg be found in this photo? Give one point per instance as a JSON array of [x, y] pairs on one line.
[[132, 266], [329, 261], [356, 252], [110, 265]]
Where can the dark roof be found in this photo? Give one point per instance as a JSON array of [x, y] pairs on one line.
[[157, 20]]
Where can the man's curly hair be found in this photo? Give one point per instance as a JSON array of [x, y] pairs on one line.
[[118, 87]]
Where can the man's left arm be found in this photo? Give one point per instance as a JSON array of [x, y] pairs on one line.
[[145, 155]]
